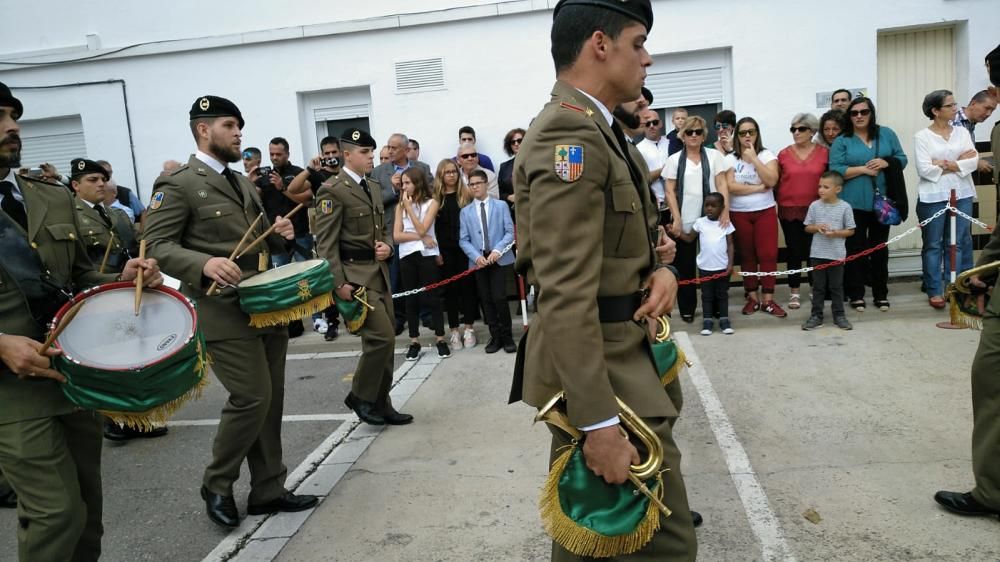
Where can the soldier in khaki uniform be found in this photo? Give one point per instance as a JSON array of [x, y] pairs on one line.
[[984, 499], [351, 234], [50, 451], [196, 217], [575, 179]]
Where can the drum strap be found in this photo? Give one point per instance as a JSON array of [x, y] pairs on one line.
[[42, 294]]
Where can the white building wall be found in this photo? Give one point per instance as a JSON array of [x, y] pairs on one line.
[[497, 67]]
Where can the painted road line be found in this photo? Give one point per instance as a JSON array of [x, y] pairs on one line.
[[762, 520], [298, 418]]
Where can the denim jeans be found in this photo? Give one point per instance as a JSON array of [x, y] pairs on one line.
[[937, 237]]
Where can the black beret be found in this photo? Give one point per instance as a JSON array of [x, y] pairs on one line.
[[82, 167], [214, 106], [647, 94], [358, 137], [639, 10], [993, 59], [8, 99]]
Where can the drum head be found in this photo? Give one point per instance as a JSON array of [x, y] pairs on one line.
[[106, 334], [279, 273]]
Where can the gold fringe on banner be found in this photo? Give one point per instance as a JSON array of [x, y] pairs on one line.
[[581, 540], [961, 318], [158, 416], [279, 317], [672, 373]]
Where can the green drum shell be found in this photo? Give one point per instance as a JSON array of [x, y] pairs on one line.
[[284, 294]]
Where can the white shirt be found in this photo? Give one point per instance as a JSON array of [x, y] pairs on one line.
[[12, 178], [691, 206], [713, 248], [655, 154], [935, 186], [747, 174], [412, 246], [354, 176], [210, 161]]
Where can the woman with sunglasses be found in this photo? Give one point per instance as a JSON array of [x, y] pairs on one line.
[[945, 158], [860, 154], [725, 125], [800, 164], [691, 174], [505, 177], [751, 182]]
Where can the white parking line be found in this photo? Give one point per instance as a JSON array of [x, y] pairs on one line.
[[762, 520], [299, 418], [261, 537]]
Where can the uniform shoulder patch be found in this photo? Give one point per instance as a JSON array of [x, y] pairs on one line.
[[568, 162], [576, 108], [326, 207], [156, 201]]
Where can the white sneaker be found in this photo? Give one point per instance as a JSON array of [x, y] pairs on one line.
[[456, 340], [469, 340], [320, 325]]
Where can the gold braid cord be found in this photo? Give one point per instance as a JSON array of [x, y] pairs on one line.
[[967, 308]]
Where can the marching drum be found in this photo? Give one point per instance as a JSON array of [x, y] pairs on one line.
[[287, 293], [137, 370]]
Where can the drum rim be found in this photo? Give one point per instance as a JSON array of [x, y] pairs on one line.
[[124, 285]]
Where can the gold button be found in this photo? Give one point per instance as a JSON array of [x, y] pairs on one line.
[[34, 245], [218, 213], [633, 205], [90, 232], [72, 236]]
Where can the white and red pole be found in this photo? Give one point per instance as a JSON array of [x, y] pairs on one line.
[[521, 292], [953, 247]]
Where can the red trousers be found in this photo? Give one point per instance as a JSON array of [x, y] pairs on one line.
[[757, 243]]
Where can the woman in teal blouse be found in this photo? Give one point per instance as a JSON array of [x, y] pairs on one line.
[[860, 154]]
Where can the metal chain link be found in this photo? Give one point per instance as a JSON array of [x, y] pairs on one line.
[[443, 282], [973, 220]]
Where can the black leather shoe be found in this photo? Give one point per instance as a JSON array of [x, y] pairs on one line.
[[509, 346], [494, 346], [963, 504], [364, 410], [285, 502], [221, 509], [331, 333], [115, 432], [696, 518], [9, 500], [392, 417]]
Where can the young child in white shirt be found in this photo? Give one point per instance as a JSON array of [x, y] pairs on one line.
[[715, 256]]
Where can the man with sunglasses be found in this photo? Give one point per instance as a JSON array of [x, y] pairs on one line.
[[468, 160], [654, 149]]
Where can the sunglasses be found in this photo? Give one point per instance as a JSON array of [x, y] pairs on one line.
[[694, 132], [799, 129], [470, 156], [747, 133], [721, 126], [860, 112], [516, 141], [653, 122]]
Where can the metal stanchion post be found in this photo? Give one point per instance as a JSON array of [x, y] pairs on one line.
[[952, 254]]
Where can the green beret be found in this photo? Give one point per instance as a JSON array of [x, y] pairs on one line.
[[82, 167], [214, 106], [358, 137], [639, 10]]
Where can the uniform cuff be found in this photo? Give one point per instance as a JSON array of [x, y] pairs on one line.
[[601, 425]]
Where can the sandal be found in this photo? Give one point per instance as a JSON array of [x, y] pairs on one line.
[[937, 302], [793, 302], [858, 305]]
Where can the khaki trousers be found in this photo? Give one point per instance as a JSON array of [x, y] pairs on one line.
[[373, 376], [986, 415]]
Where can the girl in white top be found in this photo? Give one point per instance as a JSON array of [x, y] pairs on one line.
[[413, 230], [946, 158], [753, 212]]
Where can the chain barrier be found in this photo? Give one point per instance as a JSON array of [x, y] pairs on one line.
[[726, 274], [443, 282]]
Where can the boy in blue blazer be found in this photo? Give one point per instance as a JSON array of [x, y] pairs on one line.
[[486, 229]]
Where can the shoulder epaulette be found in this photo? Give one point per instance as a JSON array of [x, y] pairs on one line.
[[573, 107], [179, 170], [46, 181]]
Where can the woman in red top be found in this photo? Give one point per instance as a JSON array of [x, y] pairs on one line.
[[801, 164]]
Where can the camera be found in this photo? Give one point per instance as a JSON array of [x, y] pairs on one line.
[[35, 173], [264, 171], [331, 162]]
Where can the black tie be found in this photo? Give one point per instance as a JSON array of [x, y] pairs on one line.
[[232, 182], [104, 214], [364, 186], [12, 206], [486, 232]]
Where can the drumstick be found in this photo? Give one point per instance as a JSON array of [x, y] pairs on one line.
[[270, 230], [59, 329], [215, 284], [107, 252], [139, 276]]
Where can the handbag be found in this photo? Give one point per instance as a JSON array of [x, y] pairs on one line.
[[884, 208]]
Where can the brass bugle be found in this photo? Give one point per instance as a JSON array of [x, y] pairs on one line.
[[962, 281], [553, 414]]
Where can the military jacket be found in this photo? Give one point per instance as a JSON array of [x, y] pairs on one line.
[[195, 215], [96, 235], [54, 233], [346, 219], [584, 218]]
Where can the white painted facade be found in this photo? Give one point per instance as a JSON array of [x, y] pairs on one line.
[[281, 61]]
